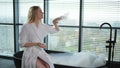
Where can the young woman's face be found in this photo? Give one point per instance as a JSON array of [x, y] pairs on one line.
[[40, 14]]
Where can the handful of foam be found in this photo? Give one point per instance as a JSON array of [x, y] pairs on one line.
[[65, 16]]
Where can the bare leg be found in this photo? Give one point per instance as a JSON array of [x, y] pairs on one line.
[[42, 64], [47, 65]]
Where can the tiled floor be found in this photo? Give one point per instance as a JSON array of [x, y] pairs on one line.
[[6, 63]]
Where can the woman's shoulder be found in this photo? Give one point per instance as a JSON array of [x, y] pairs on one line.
[[26, 25]]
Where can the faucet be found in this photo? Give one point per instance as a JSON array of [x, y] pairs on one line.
[[110, 43]]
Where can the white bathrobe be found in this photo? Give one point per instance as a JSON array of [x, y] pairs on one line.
[[31, 33]]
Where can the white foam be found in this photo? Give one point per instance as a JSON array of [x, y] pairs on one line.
[[82, 59]]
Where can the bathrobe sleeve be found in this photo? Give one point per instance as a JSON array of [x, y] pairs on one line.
[[51, 29], [23, 36]]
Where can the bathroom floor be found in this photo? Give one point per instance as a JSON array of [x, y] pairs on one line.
[[6, 63]]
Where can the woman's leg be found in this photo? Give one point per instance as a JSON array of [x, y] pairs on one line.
[[47, 65], [42, 64]]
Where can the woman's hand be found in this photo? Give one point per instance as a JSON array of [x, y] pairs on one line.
[[55, 21], [41, 45]]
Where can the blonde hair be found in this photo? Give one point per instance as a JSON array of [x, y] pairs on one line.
[[32, 14]]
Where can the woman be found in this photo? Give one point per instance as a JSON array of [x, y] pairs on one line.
[[31, 38]]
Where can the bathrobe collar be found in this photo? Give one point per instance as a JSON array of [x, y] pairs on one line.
[[36, 29]]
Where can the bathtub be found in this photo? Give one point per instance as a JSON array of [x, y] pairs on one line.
[[65, 60]]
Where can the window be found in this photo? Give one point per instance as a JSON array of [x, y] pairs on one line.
[[97, 12], [6, 12], [67, 38], [72, 29], [6, 28]]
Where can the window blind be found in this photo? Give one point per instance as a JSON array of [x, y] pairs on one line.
[[96, 12]]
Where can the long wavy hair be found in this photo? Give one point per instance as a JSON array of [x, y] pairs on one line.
[[32, 14]]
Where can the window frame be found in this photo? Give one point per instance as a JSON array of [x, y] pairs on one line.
[[14, 30]]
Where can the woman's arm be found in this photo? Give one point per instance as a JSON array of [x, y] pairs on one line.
[[35, 44]]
